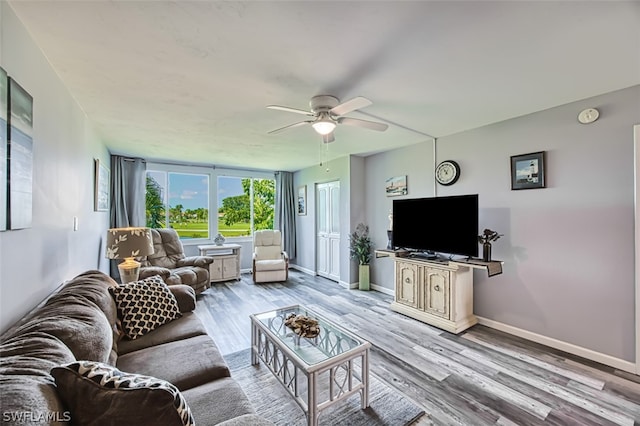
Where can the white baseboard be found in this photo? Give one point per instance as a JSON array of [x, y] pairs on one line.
[[563, 346], [301, 269], [381, 289], [372, 286], [350, 286], [313, 273]]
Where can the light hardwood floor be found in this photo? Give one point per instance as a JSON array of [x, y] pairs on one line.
[[479, 377]]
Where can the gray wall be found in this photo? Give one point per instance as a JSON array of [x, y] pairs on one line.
[[34, 261], [338, 170], [414, 161], [568, 249], [358, 208]]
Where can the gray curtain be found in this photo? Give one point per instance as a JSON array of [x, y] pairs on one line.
[[285, 214], [128, 195]]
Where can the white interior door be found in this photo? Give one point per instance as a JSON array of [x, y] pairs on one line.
[[328, 230]]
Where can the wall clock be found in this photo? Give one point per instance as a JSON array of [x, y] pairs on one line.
[[447, 172]]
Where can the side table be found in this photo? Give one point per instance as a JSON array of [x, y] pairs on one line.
[[226, 263]]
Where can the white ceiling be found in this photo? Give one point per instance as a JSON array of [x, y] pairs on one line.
[[189, 81]]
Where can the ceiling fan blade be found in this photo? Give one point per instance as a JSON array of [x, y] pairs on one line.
[[297, 111], [328, 138], [350, 105], [373, 125], [290, 126]]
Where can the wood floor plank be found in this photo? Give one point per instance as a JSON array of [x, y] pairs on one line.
[[479, 377], [589, 381]]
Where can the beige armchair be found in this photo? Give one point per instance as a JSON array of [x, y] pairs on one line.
[[270, 261], [170, 262]]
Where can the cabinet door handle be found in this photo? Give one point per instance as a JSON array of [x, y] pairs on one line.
[[407, 280], [436, 288]]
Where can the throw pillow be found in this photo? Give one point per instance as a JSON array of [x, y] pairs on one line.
[[96, 393], [144, 305]]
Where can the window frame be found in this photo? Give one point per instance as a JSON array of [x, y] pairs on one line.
[[242, 174], [213, 174], [190, 170]]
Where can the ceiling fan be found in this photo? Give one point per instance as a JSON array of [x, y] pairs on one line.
[[327, 113]]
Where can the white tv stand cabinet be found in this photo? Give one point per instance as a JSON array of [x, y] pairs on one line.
[[436, 292]]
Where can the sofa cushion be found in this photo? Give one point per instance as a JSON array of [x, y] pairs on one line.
[[189, 325], [25, 383], [185, 363], [186, 297], [267, 237], [225, 395], [189, 275], [268, 252], [167, 249], [97, 393], [80, 325], [270, 265], [144, 305], [91, 286], [82, 314]]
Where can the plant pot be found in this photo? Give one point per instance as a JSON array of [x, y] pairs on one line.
[[363, 277], [486, 252]]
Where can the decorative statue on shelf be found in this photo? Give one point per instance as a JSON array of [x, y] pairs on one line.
[[219, 239], [485, 239]]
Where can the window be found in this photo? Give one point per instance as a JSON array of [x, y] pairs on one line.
[[245, 205], [179, 201]]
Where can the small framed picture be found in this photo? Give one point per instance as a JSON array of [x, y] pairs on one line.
[[302, 200], [527, 171], [396, 185]]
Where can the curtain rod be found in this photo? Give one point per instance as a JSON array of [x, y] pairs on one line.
[[212, 166]]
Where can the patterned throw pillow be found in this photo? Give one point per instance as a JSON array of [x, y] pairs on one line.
[[144, 305], [98, 393]]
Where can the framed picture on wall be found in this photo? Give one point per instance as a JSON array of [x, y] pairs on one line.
[[527, 171], [4, 102], [302, 200], [396, 185], [19, 156], [101, 191]]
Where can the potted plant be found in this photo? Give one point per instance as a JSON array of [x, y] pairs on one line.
[[360, 250]]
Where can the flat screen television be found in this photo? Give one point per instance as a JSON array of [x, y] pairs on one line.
[[437, 225]]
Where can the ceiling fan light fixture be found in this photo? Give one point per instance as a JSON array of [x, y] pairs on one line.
[[323, 125]]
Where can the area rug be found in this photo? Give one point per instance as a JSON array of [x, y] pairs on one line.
[[387, 407]]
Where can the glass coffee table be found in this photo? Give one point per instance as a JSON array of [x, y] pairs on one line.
[[317, 371]]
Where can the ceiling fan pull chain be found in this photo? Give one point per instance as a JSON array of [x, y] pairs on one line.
[[326, 161]]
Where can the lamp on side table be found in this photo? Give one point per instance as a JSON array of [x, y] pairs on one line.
[[127, 243]]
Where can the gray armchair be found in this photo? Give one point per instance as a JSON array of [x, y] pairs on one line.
[[170, 262]]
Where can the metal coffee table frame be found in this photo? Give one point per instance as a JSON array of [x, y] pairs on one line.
[[335, 351]]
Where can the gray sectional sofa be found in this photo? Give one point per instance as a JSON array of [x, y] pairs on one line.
[[80, 322]]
